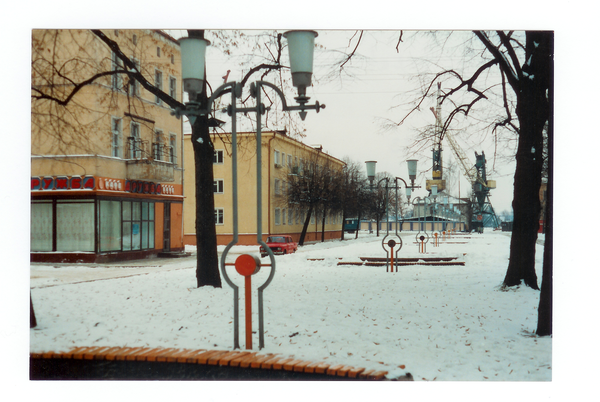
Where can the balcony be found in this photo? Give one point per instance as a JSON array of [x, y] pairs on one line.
[[152, 163]]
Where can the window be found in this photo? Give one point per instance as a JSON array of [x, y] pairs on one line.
[[110, 225], [116, 129], [277, 186], [218, 186], [276, 159], [157, 146], [173, 87], [158, 51], [173, 148], [138, 225], [135, 142], [172, 59], [75, 225], [289, 161], [134, 39], [282, 159], [218, 158], [277, 216], [134, 86], [158, 84], [290, 217], [116, 79], [297, 216], [218, 216], [41, 226], [283, 216]]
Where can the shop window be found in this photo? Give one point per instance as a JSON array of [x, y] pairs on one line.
[[41, 226], [75, 225], [138, 225], [110, 225]]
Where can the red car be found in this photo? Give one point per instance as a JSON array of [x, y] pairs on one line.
[[279, 245]]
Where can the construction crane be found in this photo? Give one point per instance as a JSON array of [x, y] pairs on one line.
[[436, 172], [483, 212]]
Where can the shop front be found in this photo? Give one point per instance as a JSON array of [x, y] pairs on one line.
[[95, 219]]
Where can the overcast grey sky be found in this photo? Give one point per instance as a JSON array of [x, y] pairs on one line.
[[376, 87]]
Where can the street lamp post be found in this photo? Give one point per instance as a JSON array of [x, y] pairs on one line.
[[412, 173], [193, 55]]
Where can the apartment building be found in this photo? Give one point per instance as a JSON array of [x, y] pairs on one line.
[[281, 156], [107, 166]]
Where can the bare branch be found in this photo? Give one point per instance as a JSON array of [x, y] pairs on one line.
[[353, 51], [513, 78], [133, 72], [398, 44], [76, 88], [505, 39]]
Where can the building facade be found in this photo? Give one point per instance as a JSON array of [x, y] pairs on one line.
[[281, 156], [107, 167]]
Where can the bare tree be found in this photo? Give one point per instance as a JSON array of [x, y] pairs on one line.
[[312, 188], [522, 62]]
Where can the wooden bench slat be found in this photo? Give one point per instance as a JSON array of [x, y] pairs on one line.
[[214, 359], [353, 373], [226, 359], [143, 356], [289, 366], [256, 363], [300, 367], [322, 368], [162, 355], [332, 370]]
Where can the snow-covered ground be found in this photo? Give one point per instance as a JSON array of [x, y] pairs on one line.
[[436, 322]]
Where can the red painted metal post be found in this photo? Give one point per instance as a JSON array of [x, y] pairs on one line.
[[248, 300]]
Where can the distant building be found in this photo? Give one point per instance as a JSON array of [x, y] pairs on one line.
[[281, 156], [106, 175]]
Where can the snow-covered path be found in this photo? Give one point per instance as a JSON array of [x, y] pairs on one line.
[[438, 323]]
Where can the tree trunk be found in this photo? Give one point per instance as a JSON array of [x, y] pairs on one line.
[[533, 113], [343, 223], [207, 269], [323, 228], [305, 227], [544, 325], [32, 320], [357, 227]]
